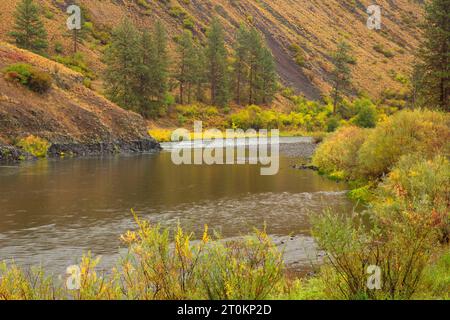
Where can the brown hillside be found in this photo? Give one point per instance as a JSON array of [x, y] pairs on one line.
[[67, 113], [315, 25]]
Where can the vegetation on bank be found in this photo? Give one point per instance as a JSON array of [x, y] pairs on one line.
[[353, 153], [403, 168], [35, 146], [404, 231]]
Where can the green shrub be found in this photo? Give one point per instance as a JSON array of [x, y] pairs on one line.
[[338, 152], [35, 146], [76, 62], [332, 124], [400, 250], [19, 72], [406, 132], [59, 48], [366, 113], [28, 76], [381, 49], [188, 23]]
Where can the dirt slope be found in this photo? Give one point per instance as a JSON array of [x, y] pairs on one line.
[[69, 113], [315, 25]]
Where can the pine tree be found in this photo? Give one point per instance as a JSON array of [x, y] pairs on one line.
[[146, 89], [216, 55], [186, 75], [29, 30], [200, 73], [254, 62], [254, 67], [342, 73], [268, 76], [435, 55], [122, 76], [240, 65], [161, 63]]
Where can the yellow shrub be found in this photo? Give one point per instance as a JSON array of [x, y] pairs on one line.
[[421, 131], [161, 135], [36, 146], [337, 155]]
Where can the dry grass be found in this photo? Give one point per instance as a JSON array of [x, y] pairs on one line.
[[315, 25]]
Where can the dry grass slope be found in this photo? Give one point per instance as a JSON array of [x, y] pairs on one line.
[[68, 113], [315, 25]]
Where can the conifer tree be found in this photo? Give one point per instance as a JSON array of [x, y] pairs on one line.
[[342, 73], [122, 76], [434, 56], [186, 75], [201, 74], [268, 76], [216, 55], [240, 65], [146, 91], [254, 62], [29, 31], [161, 63]]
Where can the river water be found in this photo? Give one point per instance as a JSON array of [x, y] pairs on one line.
[[51, 211]]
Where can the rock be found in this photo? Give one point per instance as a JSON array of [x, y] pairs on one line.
[[305, 167], [10, 154], [104, 148]]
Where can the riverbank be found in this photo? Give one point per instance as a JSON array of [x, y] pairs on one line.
[[13, 154]]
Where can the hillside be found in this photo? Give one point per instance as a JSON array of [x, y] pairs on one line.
[[314, 25], [70, 116]]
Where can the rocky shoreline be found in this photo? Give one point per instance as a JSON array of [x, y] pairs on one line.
[[11, 154]]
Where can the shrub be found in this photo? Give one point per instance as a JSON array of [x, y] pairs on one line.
[[385, 52], [247, 269], [161, 135], [20, 72], [400, 250], [40, 82], [244, 269], [34, 145], [418, 186], [28, 76], [15, 284], [332, 124], [188, 23], [59, 48], [424, 132], [76, 62], [338, 152], [366, 113], [436, 278]]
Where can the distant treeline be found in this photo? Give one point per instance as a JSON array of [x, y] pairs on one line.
[[141, 75]]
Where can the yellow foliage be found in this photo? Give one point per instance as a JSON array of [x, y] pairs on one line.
[[34, 145]]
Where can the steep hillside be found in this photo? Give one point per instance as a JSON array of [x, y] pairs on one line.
[[72, 117], [314, 25]]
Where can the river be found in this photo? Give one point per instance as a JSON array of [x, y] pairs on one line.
[[51, 211]]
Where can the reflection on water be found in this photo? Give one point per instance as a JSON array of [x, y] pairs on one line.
[[53, 210]]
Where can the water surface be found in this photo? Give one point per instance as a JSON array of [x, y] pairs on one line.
[[51, 211]]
